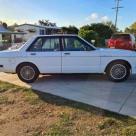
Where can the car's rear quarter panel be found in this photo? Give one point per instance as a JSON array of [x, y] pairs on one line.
[[107, 60]]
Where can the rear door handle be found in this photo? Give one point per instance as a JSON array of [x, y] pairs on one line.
[[67, 53]]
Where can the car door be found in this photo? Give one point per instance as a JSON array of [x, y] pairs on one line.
[[45, 54], [79, 57]]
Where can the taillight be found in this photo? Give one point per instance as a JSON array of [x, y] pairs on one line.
[[111, 42]]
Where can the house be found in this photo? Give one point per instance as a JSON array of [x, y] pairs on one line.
[[8, 37], [32, 30]]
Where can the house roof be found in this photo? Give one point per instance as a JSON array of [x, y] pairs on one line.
[[6, 31], [47, 27], [3, 30]]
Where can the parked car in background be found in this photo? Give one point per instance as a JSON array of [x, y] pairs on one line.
[[65, 54], [122, 41]]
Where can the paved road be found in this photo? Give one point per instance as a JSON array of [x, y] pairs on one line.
[[94, 90]]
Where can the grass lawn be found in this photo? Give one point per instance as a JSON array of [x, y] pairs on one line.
[[24, 112]]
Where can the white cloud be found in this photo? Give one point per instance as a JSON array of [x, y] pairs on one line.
[[105, 19], [95, 17]]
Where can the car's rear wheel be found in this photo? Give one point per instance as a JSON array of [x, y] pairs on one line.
[[118, 71], [27, 72]]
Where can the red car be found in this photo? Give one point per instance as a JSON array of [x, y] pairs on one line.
[[122, 41]]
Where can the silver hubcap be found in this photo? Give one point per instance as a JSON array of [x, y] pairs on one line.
[[27, 72], [118, 71]]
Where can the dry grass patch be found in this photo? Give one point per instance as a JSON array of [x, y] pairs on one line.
[[29, 113]]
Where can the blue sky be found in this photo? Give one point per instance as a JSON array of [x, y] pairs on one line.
[[66, 12]]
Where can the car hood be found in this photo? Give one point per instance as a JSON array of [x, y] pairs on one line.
[[116, 53], [9, 53]]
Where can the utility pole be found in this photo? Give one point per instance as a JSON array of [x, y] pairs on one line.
[[117, 11]]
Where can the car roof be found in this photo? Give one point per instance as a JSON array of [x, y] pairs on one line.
[[58, 35], [122, 34]]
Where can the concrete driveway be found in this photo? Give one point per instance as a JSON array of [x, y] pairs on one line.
[[94, 90]]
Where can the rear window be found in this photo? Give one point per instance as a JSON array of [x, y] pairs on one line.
[[121, 36]]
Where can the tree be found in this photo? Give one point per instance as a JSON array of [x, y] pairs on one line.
[[86, 27], [70, 30], [46, 23], [4, 24], [103, 31], [111, 25], [88, 35], [131, 29]]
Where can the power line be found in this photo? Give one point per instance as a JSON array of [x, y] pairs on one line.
[[117, 11]]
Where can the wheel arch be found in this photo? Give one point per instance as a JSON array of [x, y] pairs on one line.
[[22, 63], [118, 60]]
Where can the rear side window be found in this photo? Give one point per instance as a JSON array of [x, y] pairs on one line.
[[121, 36], [44, 44]]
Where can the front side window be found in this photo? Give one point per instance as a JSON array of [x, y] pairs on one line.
[[75, 44], [45, 44]]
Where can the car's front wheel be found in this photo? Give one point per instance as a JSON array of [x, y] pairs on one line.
[[27, 72], [118, 72]]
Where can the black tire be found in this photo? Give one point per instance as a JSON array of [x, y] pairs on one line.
[[31, 72], [118, 71]]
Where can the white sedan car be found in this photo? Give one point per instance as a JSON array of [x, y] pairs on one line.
[[66, 54]]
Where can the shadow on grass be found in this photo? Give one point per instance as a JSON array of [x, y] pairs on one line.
[[60, 101]]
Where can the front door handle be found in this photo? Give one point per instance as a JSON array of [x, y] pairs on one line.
[[33, 54], [67, 53]]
